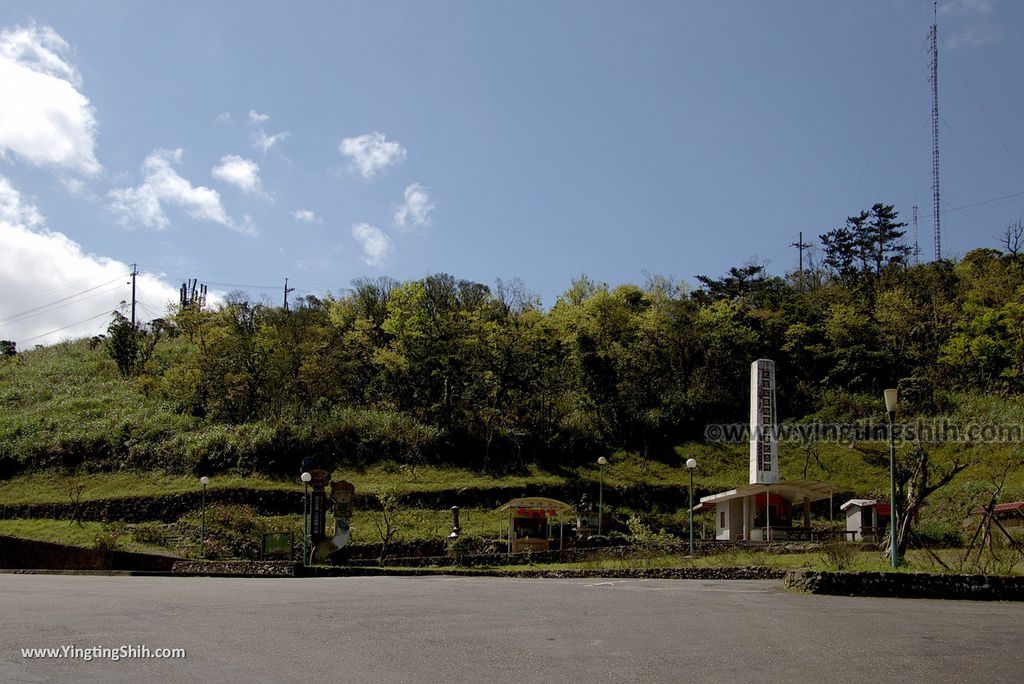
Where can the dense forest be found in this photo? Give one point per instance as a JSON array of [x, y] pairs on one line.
[[452, 370]]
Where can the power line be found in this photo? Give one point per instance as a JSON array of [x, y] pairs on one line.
[[976, 221], [58, 301], [903, 157], [47, 293], [881, 132], [54, 306], [186, 269], [146, 309], [988, 201], [255, 287], [70, 325], [981, 164], [991, 123]]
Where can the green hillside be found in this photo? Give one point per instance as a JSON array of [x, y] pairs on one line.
[[440, 384]]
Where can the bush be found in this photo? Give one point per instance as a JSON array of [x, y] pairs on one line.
[[937, 533], [643, 538], [151, 533], [838, 555], [473, 545], [232, 531], [111, 537]]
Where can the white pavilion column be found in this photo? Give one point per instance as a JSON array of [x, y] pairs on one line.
[[746, 518]]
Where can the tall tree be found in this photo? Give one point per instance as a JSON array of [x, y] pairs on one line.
[[883, 237]]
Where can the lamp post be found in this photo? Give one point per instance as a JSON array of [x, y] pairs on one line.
[[691, 465], [305, 477], [890, 408], [202, 518], [601, 463]]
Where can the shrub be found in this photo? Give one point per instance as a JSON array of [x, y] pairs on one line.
[[473, 545], [111, 537], [232, 531], [838, 555], [643, 538], [938, 533], [151, 533]]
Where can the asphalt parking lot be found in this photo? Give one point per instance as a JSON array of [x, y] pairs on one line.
[[454, 629]]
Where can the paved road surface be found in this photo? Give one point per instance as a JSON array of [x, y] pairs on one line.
[[447, 629]]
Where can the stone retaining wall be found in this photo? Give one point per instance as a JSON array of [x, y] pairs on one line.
[[236, 568], [745, 573], [367, 554], [908, 585]]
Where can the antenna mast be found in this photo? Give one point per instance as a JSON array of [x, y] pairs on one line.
[[917, 245], [933, 37]]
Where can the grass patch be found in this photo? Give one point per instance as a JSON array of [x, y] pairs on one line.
[[862, 561], [385, 477], [52, 486], [416, 524], [71, 534]]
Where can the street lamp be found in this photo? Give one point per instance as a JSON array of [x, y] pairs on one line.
[[601, 463], [202, 519], [691, 465], [891, 397], [305, 477]]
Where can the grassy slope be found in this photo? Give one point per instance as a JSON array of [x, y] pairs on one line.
[[70, 393], [73, 534]]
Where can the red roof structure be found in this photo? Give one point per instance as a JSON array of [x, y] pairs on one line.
[[1010, 507]]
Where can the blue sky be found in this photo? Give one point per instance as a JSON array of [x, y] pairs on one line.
[[241, 143]]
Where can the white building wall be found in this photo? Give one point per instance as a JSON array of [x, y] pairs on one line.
[[854, 518], [722, 521]]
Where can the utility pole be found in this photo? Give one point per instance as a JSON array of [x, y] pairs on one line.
[[286, 291], [135, 272], [801, 245]]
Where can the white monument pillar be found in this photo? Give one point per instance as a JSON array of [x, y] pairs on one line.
[[764, 444]]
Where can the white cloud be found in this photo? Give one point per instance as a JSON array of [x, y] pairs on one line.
[[224, 117], [973, 36], [263, 141], [73, 185], [14, 211], [966, 7], [370, 153], [305, 216], [44, 118], [375, 243], [239, 171], [161, 185], [53, 289], [415, 210]]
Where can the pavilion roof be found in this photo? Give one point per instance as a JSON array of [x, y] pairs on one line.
[[538, 503], [794, 490]]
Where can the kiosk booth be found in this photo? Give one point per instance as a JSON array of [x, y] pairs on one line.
[[532, 520]]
